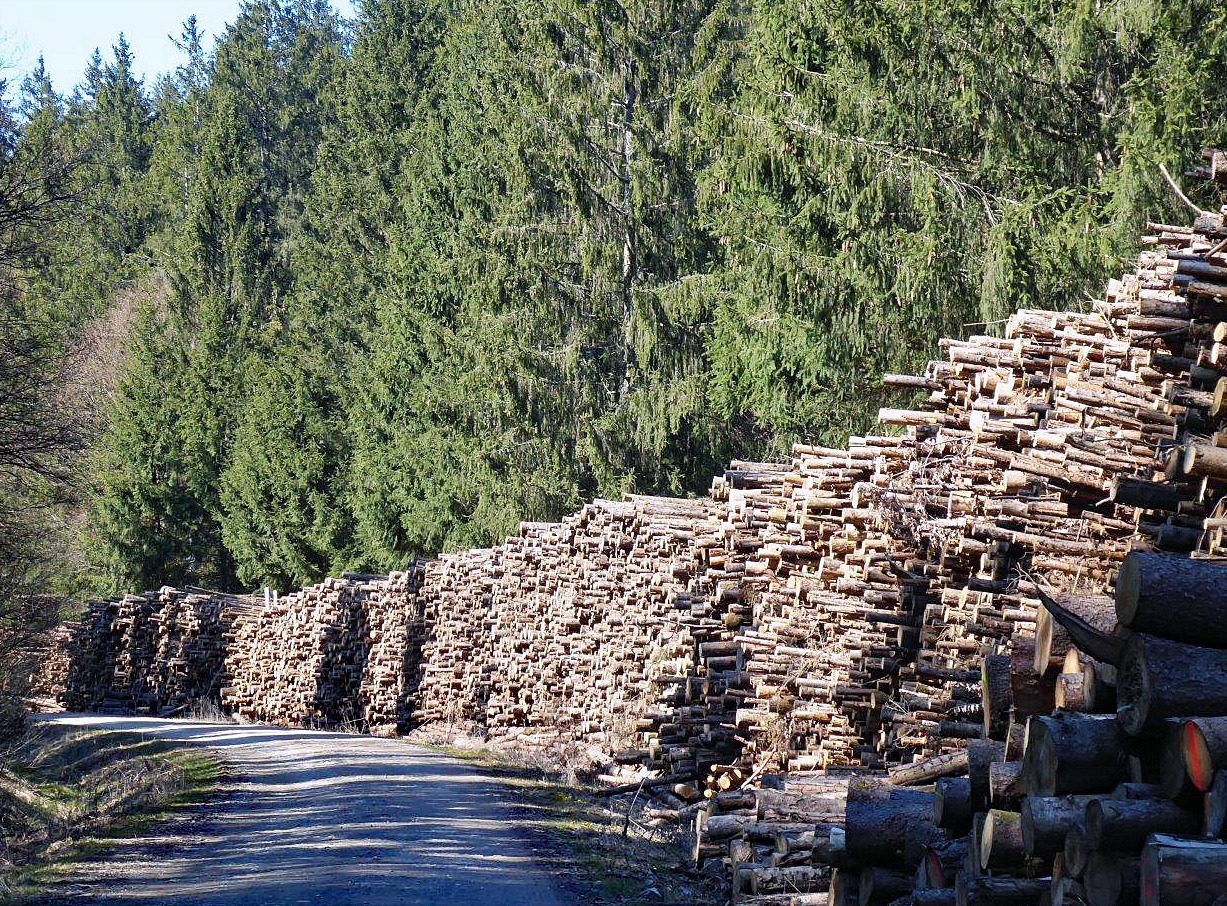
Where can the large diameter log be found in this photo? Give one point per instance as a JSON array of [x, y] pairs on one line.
[[1214, 807], [1004, 784], [998, 891], [1110, 879], [879, 886], [1031, 692], [1181, 871], [1047, 819], [981, 754], [1174, 598], [1122, 825], [1203, 746], [1068, 752], [1001, 841], [877, 821], [1053, 642], [1204, 459], [1159, 678], [952, 809], [1145, 494]]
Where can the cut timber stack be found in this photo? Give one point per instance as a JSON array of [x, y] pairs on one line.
[[871, 610]]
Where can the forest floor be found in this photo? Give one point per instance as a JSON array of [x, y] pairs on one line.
[[309, 817]]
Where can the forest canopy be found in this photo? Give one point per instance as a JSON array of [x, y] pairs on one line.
[[352, 292]]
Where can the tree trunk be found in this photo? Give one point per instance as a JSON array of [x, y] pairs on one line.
[[1047, 819], [1146, 495], [983, 891], [1178, 871], [952, 804], [878, 818], [1004, 785], [929, 769], [1161, 678], [1110, 879], [1001, 842], [1123, 825], [1214, 807], [1174, 598], [1073, 753], [996, 695], [980, 754], [1052, 641], [879, 886], [1204, 748], [1077, 850]]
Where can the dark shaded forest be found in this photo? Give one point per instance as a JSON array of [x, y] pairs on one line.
[[333, 294]]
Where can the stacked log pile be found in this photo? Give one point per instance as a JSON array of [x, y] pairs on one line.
[[872, 610]]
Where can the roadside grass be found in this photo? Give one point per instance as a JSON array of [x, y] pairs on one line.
[[65, 792], [617, 861]]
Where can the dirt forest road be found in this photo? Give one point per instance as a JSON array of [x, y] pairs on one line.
[[321, 818]]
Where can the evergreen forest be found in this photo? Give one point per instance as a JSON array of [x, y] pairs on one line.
[[334, 294]]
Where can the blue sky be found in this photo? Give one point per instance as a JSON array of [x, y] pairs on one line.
[[66, 32]]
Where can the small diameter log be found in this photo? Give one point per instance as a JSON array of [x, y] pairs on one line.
[[1073, 753], [877, 820], [1004, 784], [879, 886], [952, 804], [929, 769], [1046, 820], [1203, 746], [1159, 678], [1174, 598], [980, 754], [1110, 879], [845, 887], [996, 694], [1182, 871], [1123, 825], [942, 863]]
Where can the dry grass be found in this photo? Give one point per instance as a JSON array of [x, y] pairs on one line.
[[60, 785], [617, 862]]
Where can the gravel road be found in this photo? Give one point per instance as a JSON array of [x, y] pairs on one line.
[[308, 817]]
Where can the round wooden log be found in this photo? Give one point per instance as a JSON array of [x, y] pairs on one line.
[[998, 891], [1173, 597], [1123, 825], [1145, 495], [952, 804], [1001, 842], [947, 896], [1204, 459], [1031, 692], [1110, 879], [1159, 678], [1173, 774], [881, 885], [1047, 819], [997, 698], [1182, 871], [980, 754], [877, 819], [845, 887], [1077, 849], [1203, 745], [942, 863], [1214, 807], [1068, 752], [1076, 691], [1066, 891], [1004, 784], [1052, 642]]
